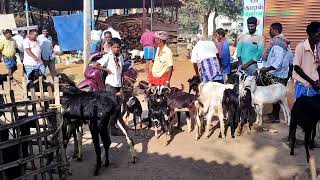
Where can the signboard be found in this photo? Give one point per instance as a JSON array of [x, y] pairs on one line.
[[253, 8]]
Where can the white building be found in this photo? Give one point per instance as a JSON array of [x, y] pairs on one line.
[[225, 23]]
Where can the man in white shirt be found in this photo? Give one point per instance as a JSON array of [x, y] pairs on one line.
[[205, 54], [112, 63], [32, 54], [45, 42]]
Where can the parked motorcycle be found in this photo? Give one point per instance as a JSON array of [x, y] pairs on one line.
[[95, 77]]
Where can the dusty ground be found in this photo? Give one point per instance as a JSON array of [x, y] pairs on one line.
[[259, 156]]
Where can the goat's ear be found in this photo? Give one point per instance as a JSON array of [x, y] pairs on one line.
[[189, 80]]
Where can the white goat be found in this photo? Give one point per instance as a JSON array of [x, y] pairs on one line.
[[136, 53], [274, 93], [210, 98]]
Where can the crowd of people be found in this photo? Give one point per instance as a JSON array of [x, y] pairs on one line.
[[35, 52], [279, 63]]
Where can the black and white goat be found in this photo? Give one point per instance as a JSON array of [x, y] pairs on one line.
[[133, 106], [247, 113], [262, 95], [304, 113], [230, 106]]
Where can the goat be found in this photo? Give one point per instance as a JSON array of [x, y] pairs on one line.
[[267, 95], [101, 109], [134, 107], [304, 114], [210, 100], [247, 113], [230, 107], [193, 84]]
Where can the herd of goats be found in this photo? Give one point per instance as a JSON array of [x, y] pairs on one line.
[[238, 103]]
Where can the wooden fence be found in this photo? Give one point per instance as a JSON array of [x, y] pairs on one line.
[[45, 157]]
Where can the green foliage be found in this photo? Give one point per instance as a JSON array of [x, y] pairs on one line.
[[195, 11]]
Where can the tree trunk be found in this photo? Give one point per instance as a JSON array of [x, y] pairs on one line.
[[3, 6], [205, 26], [214, 20]]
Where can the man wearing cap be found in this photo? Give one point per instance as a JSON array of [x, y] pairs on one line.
[[163, 63]]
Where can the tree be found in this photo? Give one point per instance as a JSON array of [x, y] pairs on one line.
[[203, 9]]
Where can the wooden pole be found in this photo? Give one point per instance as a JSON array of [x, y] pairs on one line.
[[151, 23], [27, 13], [92, 17], [86, 32], [144, 13]]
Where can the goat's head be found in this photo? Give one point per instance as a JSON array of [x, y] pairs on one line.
[[194, 83], [65, 81], [249, 82], [35, 74]]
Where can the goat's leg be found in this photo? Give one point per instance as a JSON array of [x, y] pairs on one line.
[[240, 128], [189, 124], [129, 141], [292, 136], [79, 136], [313, 135], [208, 125], [222, 126], [178, 119], [286, 110], [259, 114], [307, 142], [198, 126], [105, 137], [96, 143], [135, 124], [75, 144], [233, 128], [140, 124]]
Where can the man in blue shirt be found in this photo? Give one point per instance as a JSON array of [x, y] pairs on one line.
[[250, 47], [223, 53], [276, 61]]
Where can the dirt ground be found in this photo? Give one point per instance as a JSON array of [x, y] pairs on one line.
[[259, 156]]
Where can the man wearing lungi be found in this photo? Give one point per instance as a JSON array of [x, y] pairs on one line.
[[205, 54], [163, 63], [148, 42]]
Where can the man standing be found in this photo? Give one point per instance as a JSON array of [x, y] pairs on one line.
[[32, 54], [8, 48], [148, 42], [45, 42], [306, 66], [104, 46], [162, 67], [205, 53], [276, 60], [250, 47], [223, 53], [112, 63]]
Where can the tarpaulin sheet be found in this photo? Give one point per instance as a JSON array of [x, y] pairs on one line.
[[7, 21], [69, 30]]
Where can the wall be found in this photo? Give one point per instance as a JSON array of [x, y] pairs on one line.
[[294, 15]]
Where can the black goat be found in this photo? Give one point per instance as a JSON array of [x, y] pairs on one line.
[[194, 83], [101, 109], [230, 105], [134, 107], [304, 113], [247, 113]]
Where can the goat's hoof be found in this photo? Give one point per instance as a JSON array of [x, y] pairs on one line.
[[134, 160], [106, 164], [233, 136], [96, 171], [79, 159], [248, 133], [197, 138]]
